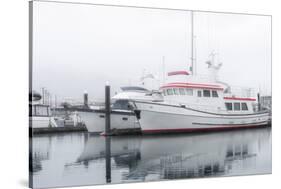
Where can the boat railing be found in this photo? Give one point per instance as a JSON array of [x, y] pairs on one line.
[[204, 78], [241, 92]]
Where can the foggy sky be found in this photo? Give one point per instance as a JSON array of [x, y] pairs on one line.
[[79, 47]]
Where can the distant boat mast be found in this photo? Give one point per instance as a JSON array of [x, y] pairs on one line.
[[192, 66]]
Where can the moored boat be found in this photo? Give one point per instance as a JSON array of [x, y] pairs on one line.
[[122, 113], [39, 114], [192, 103]]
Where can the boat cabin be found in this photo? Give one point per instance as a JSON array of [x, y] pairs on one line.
[[39, 110], [215, 97]]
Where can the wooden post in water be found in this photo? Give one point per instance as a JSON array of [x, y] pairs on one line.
[[107, 109], [259, 102], [85, 99], [108, 159], [107, 132]]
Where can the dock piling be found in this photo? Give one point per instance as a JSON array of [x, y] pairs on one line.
[[85, 99], [107, 109]]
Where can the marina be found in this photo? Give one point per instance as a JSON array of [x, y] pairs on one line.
[[181, 101], [133, 94]]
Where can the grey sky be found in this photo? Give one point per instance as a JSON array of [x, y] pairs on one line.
[[80, 47]]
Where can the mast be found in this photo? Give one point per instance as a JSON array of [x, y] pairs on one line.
[[192, 41], [163, 67]]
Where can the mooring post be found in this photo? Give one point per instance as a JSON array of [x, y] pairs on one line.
[[259, 103], [85, 99], [107, 109]]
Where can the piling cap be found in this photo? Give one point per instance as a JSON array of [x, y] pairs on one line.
[[85, 92], [107, 83]]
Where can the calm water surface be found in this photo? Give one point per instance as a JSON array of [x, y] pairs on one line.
[[84, 159]]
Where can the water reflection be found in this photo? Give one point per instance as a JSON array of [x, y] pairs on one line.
[[90, 159], [40, 152]]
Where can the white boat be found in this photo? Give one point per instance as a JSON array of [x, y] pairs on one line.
[[40, 114], [196, 103], [122, 113]]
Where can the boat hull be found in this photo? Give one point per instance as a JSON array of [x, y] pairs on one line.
[[161, 118], [39, 122], [95, 120]]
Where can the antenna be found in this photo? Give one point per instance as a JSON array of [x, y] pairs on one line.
[[192, 38], [195, 54], [163, 64]]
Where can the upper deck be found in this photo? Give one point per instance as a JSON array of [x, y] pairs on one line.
[[195, 92]]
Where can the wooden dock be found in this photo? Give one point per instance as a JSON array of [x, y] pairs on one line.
[[48, 130]]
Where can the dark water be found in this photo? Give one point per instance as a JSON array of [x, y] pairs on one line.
[[82, 159]]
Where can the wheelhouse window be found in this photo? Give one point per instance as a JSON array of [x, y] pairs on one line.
[[228, 106], [164, 92], [176, 91], [122, 105], [38, 110], [215, 94], [244, 106], [199, 93], [206, 93], [189, 92], [182, 91], [236, 106], [170, 92]]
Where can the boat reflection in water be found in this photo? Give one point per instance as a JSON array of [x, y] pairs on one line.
[[150, 158], [39, 153], [185, 156]]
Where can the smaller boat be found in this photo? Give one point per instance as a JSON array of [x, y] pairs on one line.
[[122, 112], [39, 114]]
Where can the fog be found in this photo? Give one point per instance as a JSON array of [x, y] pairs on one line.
[[79, 47]]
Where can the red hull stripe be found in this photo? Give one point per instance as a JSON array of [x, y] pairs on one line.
[[238, 98], [192, 86], [200, 129], [178, 73]]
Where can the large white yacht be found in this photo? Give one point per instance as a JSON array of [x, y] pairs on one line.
[[196, 103]]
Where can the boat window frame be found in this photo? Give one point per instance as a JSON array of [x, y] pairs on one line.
[[235, 108], [204, 94], [199, 93], [35, 110], [229, 108], [243, 107], [164, 92], [189, 91], [216, 94], [176, 91], [182, 91], [170, 90], [121, 104]]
